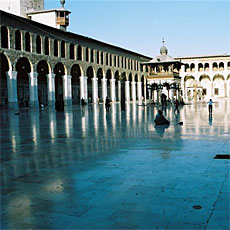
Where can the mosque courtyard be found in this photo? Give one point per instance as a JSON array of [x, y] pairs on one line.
[[86, 168]]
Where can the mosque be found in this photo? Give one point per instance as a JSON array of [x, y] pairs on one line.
[[43, 63]]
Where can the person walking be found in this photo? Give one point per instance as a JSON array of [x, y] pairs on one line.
[[176, 106], [107, 104], [210, 106]]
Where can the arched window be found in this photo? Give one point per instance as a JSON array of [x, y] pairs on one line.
[[221, 66], [115, 61], [186, 67], [110, 60], [98, 56], [206, 67], [200, 67], [38, 44], [4, 37], [27, 42], [229, 65], [71, 51], [107, 59], [18, 40], [79, 53], [192, 67], [87, 54], [118, 61], [125, 62], [56, 48], [47, 46], [122, 62], [102, 58], [214, 66], [92, 55], [63, 49]]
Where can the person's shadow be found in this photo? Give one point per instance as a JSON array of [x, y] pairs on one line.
[[160, 129]]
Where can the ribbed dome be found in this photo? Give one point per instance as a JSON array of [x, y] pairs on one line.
[[163, 50]]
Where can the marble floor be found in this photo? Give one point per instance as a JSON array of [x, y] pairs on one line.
[[86, 168]]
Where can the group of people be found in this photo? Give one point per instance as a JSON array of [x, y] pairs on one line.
[[107, 103]]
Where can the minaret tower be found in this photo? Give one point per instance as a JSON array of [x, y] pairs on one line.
[[62, 17]]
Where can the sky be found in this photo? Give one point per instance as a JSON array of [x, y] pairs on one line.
[[189, 28]]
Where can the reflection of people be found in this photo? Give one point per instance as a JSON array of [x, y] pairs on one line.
[[160, 119], [107, 104], [210, 119], [176, 106], [161, 129], [210, 106], [83, 103]]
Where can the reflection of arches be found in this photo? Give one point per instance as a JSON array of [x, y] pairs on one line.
[[75, 83], [108, 77], [59, 71], [4, 67], [100, 76], [23, 68], [136, 80], [117, 85], [143, 86], [43, 70], [90, 75]]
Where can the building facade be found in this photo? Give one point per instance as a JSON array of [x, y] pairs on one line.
[[43, 64]]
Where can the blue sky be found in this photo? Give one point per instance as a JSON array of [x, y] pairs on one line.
[[189, 28]]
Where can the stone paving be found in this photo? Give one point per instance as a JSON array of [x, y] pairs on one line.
[[86, 168]]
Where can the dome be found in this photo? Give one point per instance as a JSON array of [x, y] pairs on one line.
[[163, 50]]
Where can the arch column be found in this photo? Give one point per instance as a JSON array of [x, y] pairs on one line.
[[51, 89], [127, 91], [67, 89], [95, 89], [113, 93], [133, 83], [12, 89], [212, 88], [104, 88], [82, 87], [139, 91], [33, 87]]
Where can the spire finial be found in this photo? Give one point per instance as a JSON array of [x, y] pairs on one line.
[[62, 3], [163, 41]]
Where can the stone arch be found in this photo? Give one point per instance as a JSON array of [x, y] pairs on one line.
[[205, 82], [75, 72], [90, 74], [4, 67], [38, 44], [218, 85], [100, 76], [43, 69], [187, 80], [18, 40], [108, 77], [4, 37], [23, 68], [59, 71]]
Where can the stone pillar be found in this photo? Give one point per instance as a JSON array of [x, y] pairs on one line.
[[82, 87], [225, 88], [33, 87], [127, 91], [212, 89], [113, 92], [119, 91], [139, 91], [51, 89], [134, 90], [95, 90], [104, 88], [86, 88], [67, 91], [12, 89]]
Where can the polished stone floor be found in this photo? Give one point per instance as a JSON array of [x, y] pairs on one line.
[[92, 169]]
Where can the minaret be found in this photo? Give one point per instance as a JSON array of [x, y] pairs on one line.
[[62, 17]]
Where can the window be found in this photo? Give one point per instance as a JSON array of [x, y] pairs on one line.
[[71, 51], [27, 42], [216, 91], [18, 40], [63, 49], [79, 53], [47, 47], [38, 44], [92, 55], [55, 48], [87, 54], [4, 37]]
